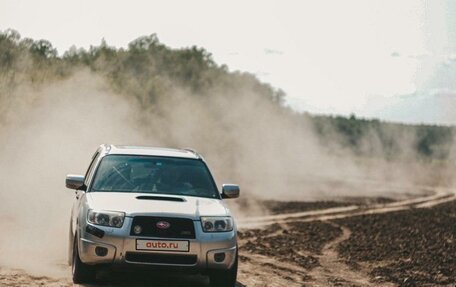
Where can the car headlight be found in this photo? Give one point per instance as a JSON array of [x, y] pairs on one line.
[[217, 224], [106, 218]]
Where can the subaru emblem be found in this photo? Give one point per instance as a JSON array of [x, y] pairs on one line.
[[163, 225]]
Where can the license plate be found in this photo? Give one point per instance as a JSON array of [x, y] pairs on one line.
[[163, 245]]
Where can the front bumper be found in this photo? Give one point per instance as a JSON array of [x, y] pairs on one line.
[[117, 247]]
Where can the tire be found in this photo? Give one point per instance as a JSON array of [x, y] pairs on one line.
[[82, 273], [225, 278]]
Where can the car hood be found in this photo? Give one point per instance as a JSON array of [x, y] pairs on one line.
[[134, 204]]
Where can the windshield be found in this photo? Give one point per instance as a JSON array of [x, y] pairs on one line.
[[148, 174]]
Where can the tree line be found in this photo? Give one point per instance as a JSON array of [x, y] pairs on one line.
[[147, 70]]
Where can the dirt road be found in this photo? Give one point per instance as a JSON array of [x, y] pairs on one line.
[[315, 263], [441, 196], [331, 269]]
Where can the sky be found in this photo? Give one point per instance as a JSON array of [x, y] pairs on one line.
[[393, 60]]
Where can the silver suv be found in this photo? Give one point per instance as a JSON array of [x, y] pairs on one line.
[[157, 208]]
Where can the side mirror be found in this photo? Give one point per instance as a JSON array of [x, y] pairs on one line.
[[74, 181], [230, 191]]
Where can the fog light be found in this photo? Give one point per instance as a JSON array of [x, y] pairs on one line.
[[219, 257], [137, 229], [101, 251]]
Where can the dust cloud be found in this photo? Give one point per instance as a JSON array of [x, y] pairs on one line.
[[51, 130]]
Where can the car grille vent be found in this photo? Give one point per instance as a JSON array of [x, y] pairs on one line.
[[160, 258], [177, 227]]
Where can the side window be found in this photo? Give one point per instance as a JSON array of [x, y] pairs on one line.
[[91, 168]]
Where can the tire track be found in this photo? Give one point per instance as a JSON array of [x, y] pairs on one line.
[[262, 271], [440, 196], [332, 270]]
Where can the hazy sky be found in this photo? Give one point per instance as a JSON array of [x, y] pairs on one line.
[[390, 59]]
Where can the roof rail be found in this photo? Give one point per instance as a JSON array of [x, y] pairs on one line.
[[107, 147], [193, 151]]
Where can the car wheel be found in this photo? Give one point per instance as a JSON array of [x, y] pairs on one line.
[[82, 273], [225, 278]]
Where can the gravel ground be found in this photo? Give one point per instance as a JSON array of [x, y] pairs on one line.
[[296, 243], [416, 247], [413, 247]]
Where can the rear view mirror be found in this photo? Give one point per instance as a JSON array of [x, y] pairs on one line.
[[230, 191], [74, 181]]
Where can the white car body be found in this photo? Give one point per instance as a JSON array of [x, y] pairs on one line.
[[172, 235]]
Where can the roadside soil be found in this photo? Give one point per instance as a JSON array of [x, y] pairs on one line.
[[395, 243], [284, 207], [385, 243], [416, 247]]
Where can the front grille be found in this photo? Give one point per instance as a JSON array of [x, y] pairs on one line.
[[161, 258], [178, 227]]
